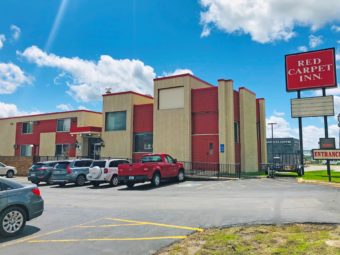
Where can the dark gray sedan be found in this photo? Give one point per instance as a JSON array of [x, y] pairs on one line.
[[18, 204]]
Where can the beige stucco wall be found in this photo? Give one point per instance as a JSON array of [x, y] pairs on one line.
[[226, 120], [8, 127], [119, 143], [263, 131], [248, 131], [7, 137], [47, 144], [90, 119], [172, 127]]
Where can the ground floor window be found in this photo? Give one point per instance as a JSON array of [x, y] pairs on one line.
[[62, 149], [26, 150], [143, 142]]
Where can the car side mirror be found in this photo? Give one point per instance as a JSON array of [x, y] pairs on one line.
[[175, 160]]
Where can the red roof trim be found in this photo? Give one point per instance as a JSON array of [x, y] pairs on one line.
[[225, 80], [136, 105], [50, 113], [214, 87], [127, 92], [247, 90], [182, 75], [260, 99]]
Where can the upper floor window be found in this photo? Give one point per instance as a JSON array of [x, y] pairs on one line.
[[63, 125], [27, 127], [115, 121], [236, 132]]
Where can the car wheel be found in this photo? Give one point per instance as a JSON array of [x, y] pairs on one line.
[[12, 221], [49, 181], [10, 174], [95, 184], [80, 181], [156, 180], [62, 184], [35, 182], [130, 185], [114, 181], [180, 176]]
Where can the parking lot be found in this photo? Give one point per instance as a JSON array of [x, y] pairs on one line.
[[109, 220]]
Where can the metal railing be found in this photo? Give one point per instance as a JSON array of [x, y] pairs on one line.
[[206, 169]]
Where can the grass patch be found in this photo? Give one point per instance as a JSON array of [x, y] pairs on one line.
[[280, 239], [322, 176]]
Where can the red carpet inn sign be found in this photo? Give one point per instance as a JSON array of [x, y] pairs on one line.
[[313, 70]]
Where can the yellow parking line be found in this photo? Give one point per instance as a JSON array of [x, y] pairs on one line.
[[46, 234], [108, 239], [112, 225], [157, 224]]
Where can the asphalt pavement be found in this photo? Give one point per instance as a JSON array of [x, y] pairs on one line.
[[105, 220]]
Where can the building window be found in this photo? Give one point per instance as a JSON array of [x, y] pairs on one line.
[[258, 129], [115, 121], [143, 142], [236, 132], [27, 127], [62, 149], [171, 98], [26, 150], [63, 125]]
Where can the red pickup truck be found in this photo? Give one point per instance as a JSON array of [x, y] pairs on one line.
[[152, 167]]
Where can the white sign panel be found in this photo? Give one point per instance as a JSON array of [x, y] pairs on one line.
[[326, 154], [312, 106]]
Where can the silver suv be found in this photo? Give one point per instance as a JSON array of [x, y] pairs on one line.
[[105, 171]]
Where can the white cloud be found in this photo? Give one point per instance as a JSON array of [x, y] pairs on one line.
[[178, 72], [302, 48], [16, 32], [11, 110], [90, 78], [266, 20], [12, 77], [335, 28], [311, 133], [81, 107], [315, 41], [64, 107], [2, 40]]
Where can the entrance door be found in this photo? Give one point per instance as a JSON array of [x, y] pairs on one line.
[[205, 148], [94, 147]]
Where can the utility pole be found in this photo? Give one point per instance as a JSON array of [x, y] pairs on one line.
[[272, 148]]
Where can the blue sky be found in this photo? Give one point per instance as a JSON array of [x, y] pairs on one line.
[[61, 54]]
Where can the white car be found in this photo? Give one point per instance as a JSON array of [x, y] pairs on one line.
[[105, 171], [9, 171]]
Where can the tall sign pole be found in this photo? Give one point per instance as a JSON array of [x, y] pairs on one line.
[[301, 139], [326, 136]]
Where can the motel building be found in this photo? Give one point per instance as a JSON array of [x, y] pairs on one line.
[[187, 118]]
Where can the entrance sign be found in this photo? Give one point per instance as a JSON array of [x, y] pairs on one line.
[[327, 143], [311, 70], [326, 154], [312, 106]]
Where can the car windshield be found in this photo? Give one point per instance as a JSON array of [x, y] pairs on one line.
[[62, 165], [37, 165], [98, 163], [153, 158], [12, 184]]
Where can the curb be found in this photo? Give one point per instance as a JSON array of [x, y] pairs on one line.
[[331, 184]]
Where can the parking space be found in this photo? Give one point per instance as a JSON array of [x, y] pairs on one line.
[[142, 220]]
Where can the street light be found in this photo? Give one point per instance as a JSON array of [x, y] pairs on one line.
[[272, 148]]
